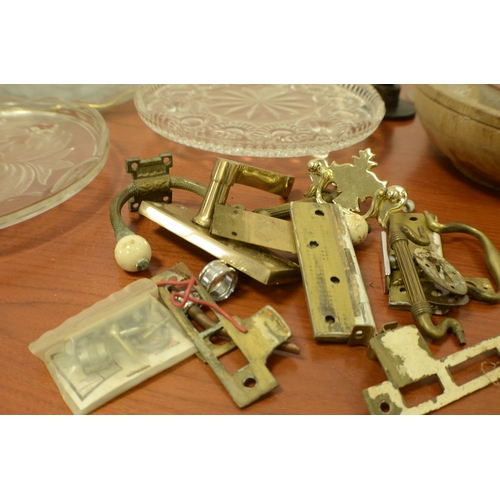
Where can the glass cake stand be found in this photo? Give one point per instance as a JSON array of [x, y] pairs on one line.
[[49, 150], [262, 120]]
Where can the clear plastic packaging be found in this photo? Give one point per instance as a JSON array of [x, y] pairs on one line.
[[112, 346]]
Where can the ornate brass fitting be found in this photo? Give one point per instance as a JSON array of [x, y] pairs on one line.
[[355, 183], [400, 236]]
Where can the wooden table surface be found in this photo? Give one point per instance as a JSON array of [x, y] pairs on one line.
[[61, 262]]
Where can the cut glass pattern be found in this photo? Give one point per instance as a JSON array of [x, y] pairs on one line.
[[262, 120]]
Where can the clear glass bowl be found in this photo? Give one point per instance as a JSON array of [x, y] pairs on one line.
[[49, 150], [262, 120]]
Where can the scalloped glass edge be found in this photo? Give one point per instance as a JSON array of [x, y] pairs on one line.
[[99, 96], [101, 133], [365, 90]]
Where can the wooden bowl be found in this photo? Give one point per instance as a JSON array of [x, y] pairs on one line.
[[463, 121]]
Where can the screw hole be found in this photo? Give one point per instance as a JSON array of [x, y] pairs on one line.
[[320, 213], [384, 407], [234, 233], [402, 290], [313, 244], [330, 320], [249, 382], [335, 280]]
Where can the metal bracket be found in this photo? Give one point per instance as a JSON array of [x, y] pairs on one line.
[[406, 359], [152, 179], [336, 296], [266, 330]]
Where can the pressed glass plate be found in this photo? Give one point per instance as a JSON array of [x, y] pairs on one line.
[[262, 120], [49, 150], [99, 96]]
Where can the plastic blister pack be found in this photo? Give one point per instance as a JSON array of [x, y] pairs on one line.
[[112, 346]]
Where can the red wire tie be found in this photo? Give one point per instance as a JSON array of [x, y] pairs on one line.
[[186, 296]]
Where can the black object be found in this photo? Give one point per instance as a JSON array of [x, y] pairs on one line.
[[395, 108]]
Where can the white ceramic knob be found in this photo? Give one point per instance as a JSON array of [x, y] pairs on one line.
[[133, 253], [358, 227]]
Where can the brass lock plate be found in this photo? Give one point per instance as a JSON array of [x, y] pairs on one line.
[[266, 330], [256, 262]]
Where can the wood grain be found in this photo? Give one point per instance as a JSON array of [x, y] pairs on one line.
[[61, 262]]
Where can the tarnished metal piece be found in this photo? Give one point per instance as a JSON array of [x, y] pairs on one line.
[[249, 227], [480, 283], [406, 359], [205, 321], [218, 279], [151, 177], [338, 304], [266, 330], [492, 255], [254, 261], [401, 234], [440, 300], [226, 173], [440, 271]]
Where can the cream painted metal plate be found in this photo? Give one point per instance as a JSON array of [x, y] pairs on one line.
[[406, 359], [336, 296], [254, 261]]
